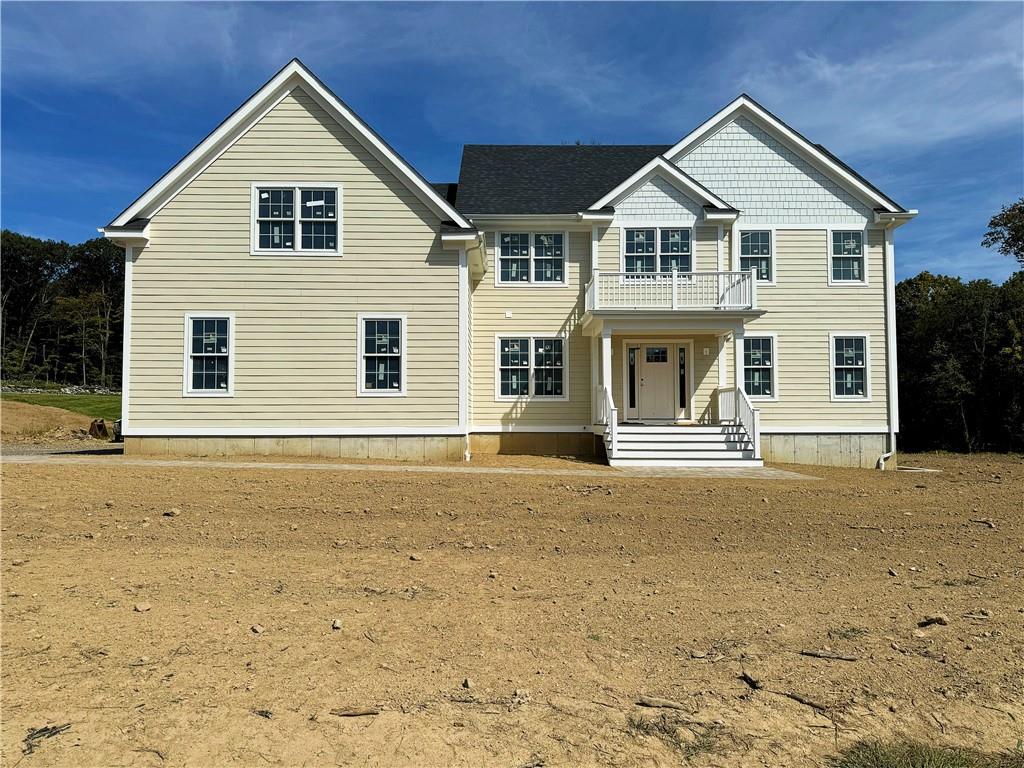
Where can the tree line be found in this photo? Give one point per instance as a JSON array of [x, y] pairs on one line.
[[960, 345], [62, 311]]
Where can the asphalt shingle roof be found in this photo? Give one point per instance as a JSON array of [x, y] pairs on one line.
[[538, 179]]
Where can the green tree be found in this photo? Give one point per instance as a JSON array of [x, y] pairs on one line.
[[1006, 231]]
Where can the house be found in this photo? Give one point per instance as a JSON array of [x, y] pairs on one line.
[[293, 286]]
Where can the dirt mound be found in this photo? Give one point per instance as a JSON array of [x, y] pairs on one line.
[[40, 423]]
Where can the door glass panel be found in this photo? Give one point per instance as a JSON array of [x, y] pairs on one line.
[[657, 354], [632, 377]]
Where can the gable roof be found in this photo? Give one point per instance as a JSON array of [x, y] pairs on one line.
[[815, 153], [516, 179], [293, 74], [659, 166]]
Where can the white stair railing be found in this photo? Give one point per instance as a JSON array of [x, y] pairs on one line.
[[608, 415], [734, 406]]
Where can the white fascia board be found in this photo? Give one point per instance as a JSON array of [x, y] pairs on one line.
[[134, 238], [461, 238], [659, 165], [595, 216], [893, 220], [294, 74], [723, 216], [744, 104]]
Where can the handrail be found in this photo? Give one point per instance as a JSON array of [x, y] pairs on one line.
[[608, 415], [673, 290], [734, 406]]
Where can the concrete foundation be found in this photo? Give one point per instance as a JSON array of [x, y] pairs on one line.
[[419, 448], [830, 450], [534, 443]]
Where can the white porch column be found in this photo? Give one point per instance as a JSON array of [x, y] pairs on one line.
[[737, 340], [606, 360], [595, 373]]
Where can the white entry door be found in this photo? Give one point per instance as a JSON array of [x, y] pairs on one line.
[[657, 382]]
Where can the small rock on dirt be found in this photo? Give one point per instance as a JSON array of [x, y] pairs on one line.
[[336, 624], [415, 557], [142, 607], [467, 683], [893, 572], [937, 618], [172, 512], [257, 629]]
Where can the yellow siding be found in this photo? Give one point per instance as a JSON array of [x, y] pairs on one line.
[[535, 310], [803, 309], [295, 349], [608, 256], [705, 248]]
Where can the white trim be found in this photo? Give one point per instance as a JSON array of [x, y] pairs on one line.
[[718, 248], [864, 258], [292, 75], [460, 237], [659, 165], [657, 248], [891, 366], [297, 249], [774, 336], [490, 428], [531, 283], [770, 229], [207, 431], [824, 429], [361, 391], [530, 397], [186, 379], [832, 336], [744, 104], [592, 216], [126, 338], [464, 310]]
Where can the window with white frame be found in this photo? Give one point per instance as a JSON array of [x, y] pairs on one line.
[[297, 218], [209, 345], [756, 253], [382, 342], [654, 249], [847, 254], [759, 366], [849, 367], [531, 365], [531, 257]]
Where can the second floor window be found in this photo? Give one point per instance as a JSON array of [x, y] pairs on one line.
[[756, 253], [847, 262], [531, 257], [296, 219], [652, 250]]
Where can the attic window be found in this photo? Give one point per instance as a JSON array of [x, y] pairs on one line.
[[296, 217]]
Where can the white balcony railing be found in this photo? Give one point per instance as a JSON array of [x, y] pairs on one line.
[[672, 290]]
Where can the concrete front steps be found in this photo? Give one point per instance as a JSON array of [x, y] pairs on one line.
[[646, 445]]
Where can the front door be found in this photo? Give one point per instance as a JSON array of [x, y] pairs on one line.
[[657, 383]]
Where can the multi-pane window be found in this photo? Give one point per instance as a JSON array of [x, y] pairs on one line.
[[652, 250], [756, 253], [850, 366], [531, 365], [297, 218], [276, 219], [544, 250], [382, 356], [759, 366], [209, 359], [848, 256]]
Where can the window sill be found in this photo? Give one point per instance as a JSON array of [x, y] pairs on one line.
[[847, 283], [530, 398], [190, 393], [381, 393], [291, 252], [534, 284], [850, 399]]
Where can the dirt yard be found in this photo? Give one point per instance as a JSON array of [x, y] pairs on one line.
[[40, 424], [183, 616]]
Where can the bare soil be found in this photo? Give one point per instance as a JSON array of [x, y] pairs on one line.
[[130, 594], [29, 423]]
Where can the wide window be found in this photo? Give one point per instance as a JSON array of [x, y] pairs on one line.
[[849, 367], [756, 253], [531, 366], [652, 250], [759, 366], [209, 348], [847, 257], [531, 257], [296, 218], [381, 357]]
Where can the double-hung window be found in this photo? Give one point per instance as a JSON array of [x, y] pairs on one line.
[[296, 218], [209, 352], [756, 253], [759, 366], [382, 355], [653, 249], [849, 367], [847, 257], [531, 257], [531, 366]]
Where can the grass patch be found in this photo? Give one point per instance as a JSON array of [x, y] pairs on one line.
[[705, 741], [914, 754], [94, 406], [847, 633]]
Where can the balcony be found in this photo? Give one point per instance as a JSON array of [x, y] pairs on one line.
[[671, 291]]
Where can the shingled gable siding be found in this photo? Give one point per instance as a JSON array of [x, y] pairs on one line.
[[657, 200], [767, 181], [295, 316], [537, 311]]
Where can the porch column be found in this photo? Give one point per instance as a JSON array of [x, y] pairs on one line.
[[595, 372], [737, 340], [606, 360]]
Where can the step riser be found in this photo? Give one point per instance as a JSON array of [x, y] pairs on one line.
[[683, 463], [684, 455], [676, 448], [625, 430], [665, 440]]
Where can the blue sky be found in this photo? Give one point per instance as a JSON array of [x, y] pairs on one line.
[[926, 100]]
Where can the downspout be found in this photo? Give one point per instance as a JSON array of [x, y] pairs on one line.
[[892, 393]]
